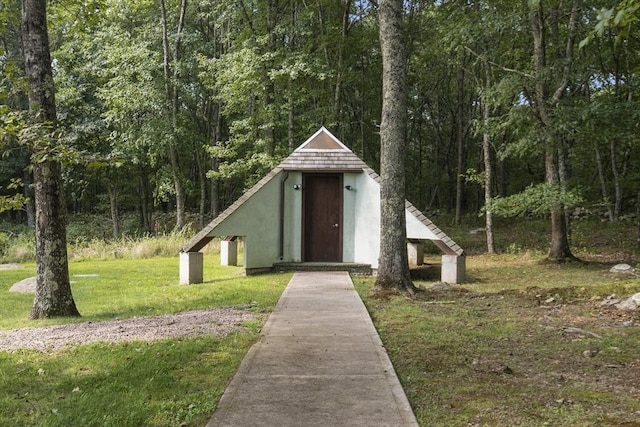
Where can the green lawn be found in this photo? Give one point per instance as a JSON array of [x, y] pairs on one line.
[[167, 383]]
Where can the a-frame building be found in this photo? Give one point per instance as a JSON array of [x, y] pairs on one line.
[[319, 205]]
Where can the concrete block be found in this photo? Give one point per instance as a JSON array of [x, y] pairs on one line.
[[453, 268], [229, 252], [415, 252], [191, 267]]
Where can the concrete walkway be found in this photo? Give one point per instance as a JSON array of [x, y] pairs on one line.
[[319, 362]]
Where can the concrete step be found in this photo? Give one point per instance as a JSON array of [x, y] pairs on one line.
[[352, 268]]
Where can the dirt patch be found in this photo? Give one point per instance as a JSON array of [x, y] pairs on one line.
[[214, 322]]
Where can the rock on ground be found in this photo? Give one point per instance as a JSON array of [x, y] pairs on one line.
[[630, 304], [622, 268], [26, 286]]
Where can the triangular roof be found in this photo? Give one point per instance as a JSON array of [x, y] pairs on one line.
[[321, 152]]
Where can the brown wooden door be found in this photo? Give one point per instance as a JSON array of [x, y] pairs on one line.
[[322, 217]]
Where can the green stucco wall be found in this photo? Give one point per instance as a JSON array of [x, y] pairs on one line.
[[257, 221]]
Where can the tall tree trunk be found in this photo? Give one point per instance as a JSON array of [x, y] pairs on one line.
[[53, 292], [144, 193], [171, 93], [113, 205], [215, 197], [617, 190], [202, 183], [337, 91], [461, 148], [291, 137], [606, 199], [393, 270], [488, 172], [559, 248]]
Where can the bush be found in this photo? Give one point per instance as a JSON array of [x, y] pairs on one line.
[[18, 248], [4, 243]]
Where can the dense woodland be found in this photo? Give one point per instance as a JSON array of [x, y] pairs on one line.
[[182, 105]]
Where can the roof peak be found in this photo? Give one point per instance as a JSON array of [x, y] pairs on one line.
[[323, 140]]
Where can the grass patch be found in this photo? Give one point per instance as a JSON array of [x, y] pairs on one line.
[[169, 382], [122, 288], [500, 350]]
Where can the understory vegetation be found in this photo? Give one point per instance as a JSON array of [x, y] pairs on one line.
[[522, 342]]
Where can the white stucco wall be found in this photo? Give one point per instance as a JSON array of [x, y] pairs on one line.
[[366, 231], [417, 230], [349, 198], [293, 219], [366, 211]]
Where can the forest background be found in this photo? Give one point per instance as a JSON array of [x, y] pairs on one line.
[[181, 106]]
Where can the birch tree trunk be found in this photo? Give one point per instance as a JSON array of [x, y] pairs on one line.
[[53, 292], [171, 93], [393, 270], [488, 172]]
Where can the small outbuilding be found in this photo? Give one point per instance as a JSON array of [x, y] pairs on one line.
[[319, 206]]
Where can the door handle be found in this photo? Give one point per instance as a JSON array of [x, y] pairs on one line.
[[336, 225]]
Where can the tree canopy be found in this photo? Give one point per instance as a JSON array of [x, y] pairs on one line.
[[182, 105]]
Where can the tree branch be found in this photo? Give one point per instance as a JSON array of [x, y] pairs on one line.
[[501, 67]]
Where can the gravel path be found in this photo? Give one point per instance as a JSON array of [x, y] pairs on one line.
[[215, 322]]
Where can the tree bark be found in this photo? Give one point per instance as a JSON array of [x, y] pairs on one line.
[[53, 292], [29, 205], [393, 270], [337, 91], [144, 192]]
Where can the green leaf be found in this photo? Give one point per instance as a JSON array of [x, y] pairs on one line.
[[536, 200]]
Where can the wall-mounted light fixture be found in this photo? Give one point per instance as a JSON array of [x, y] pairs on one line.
[[349, 188], [297, 187]]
